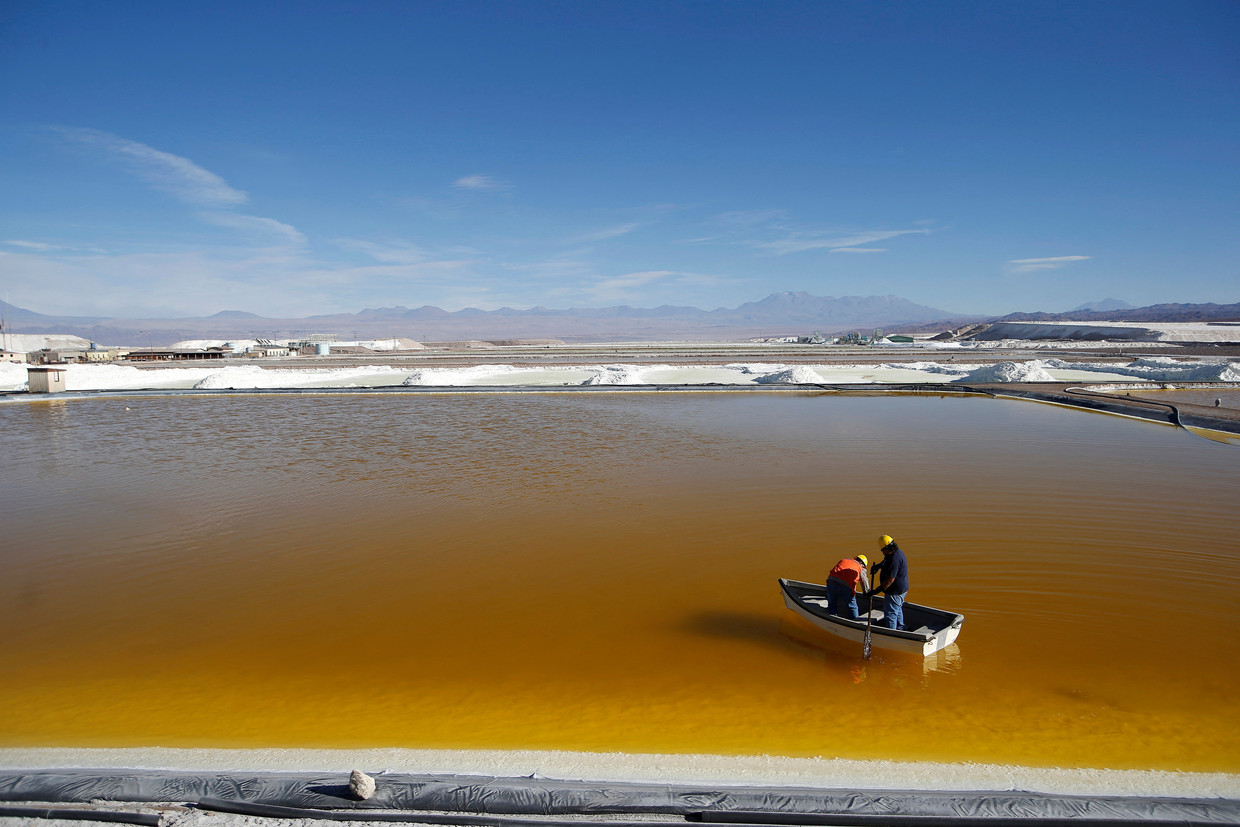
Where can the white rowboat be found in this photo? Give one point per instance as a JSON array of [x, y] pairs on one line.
[[926, 631]]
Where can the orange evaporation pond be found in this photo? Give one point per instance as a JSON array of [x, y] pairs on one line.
[[595, 571]]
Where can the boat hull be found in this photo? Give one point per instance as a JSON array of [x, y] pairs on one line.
[[928, 629]]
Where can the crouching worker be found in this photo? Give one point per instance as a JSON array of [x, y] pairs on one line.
[[845, 580]]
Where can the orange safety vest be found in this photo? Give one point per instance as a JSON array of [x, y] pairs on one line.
[[848, 571]]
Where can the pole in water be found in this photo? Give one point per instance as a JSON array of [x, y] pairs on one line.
[[869, 618]]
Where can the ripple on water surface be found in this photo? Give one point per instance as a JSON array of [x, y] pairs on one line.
[[597, 572]]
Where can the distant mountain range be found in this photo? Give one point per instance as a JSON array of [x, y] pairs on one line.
[[1153, 313], [1104, 304], [779, 314]]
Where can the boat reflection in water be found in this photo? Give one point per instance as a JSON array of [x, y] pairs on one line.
[[844, 656]]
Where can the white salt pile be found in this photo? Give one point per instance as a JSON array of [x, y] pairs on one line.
[[90, 377], [458, 377], [1163, 369], [1009, 372], [799, 375], [615, 375], [249, 377]]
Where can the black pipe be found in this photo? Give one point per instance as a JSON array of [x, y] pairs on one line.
[[738, 818], [276, 811], [76, 814]]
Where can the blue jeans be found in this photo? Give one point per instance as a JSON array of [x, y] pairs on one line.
[[893, 611], [841, 600]]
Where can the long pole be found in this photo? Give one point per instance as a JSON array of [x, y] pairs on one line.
[[869, 618]]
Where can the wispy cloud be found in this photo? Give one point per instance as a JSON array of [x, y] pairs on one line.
[[773, 232], [255, 225], [478, 183], [378, 278], [611, 290], [184, 180], [34, 245], [389, 252], [604, 234], [1026, 265], [568, 269], [177, 176], [801, 242], [273, 281], [44, 247], [752, 218], [630, 280]]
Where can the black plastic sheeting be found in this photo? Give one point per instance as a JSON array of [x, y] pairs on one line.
[[419, 816], [481, 795], [736, 819]]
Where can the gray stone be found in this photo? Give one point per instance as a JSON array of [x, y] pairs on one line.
[[361, 784]]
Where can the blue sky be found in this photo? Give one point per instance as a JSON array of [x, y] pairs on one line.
[[292, 159]]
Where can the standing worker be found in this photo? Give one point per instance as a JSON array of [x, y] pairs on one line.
[[842, 585], [892, 581]]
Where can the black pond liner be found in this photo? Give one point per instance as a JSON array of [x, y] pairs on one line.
[[483, 801]]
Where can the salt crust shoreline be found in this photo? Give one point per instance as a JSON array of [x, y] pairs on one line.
[[716, 770], [113, 377]]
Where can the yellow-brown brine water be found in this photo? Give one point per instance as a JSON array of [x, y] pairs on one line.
[[597, 571]]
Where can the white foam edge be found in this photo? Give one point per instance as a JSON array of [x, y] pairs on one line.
[[716, 770]]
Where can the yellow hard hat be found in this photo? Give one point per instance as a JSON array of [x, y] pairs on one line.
[[863, 560], [884, 541]]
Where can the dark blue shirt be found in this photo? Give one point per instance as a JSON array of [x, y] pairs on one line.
[[896, 567]]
